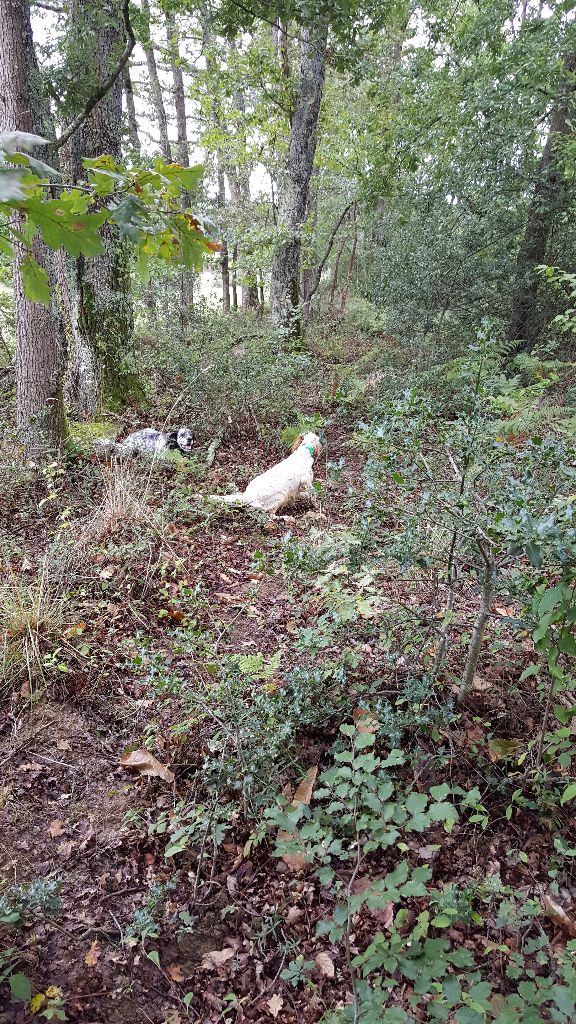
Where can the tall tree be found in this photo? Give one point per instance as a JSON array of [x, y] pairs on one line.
[[548, 200], [173, 44], [155, 85], [102, 330], [284, 288], [40, 348]]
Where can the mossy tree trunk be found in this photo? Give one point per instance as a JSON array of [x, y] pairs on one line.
[[284, 289], [100, 364], [550, 198], [40, 342]]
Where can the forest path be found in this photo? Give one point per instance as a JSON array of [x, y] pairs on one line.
[[68, 807]]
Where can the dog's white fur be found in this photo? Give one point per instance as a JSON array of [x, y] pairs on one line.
[[282, 484]]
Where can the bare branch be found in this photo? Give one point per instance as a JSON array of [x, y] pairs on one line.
[[106, 85]]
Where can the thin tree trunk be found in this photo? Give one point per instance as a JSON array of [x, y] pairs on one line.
[[336, 273], [261, 300], [131, 112], [284, 294], [40, 342], [155, 86], [486, 599], [235, 277], [224, 262], [547, 201], [173, 39], [351, 262]]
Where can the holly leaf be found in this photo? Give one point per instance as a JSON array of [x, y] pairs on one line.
[[35, 278]]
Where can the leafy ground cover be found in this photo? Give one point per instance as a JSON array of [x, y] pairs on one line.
[[240, 778]]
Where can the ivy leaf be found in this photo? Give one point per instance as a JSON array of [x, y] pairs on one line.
[[35, 278]]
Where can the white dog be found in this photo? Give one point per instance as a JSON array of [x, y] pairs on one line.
[[283, 484]]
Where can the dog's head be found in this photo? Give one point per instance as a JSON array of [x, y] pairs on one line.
[[181, 439], [311, 441]]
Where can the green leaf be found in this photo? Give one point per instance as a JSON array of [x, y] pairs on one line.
[[569, 793], [131, 217], [35, 278], [440, 792], [534, 554], [531, 670], [154, 956], [20, 987]]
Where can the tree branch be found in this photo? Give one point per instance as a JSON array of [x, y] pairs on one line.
[[320, 268], [106, 85]]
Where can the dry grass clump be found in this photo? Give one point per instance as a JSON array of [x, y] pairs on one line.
[[125, 501], [32, 621]]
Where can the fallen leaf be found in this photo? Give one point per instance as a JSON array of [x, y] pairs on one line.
[[56, 828], [176, 973], [107, 572], [559, 916], [294, 915], [64, 850], [275, 1004], [143, 762], [92, 955], [303, 795], [480, 685], [365, 721], [325, 964], [499, 750], [63, 744], [212, 961]]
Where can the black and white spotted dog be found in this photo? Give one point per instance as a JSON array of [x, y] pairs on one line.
[[153, 442]]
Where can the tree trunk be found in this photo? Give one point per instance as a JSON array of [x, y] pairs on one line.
[[486, 599], [155, 86], [102, 336], [284, 295], [131, 112], [351, 262], [235, 277], [224, 263], [40, 344], [335, 274], [173, 39], [547, 201]]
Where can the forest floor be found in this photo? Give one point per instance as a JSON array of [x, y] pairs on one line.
[[136, 931]]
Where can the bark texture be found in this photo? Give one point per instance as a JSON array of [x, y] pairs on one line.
[[547, 201], [101, 337], [155, 86], [173, 41], [40, 345], [131, 112], [284, 290]]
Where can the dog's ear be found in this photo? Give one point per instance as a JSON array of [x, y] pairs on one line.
[[317, 446], [172, 439], [297, 442]]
